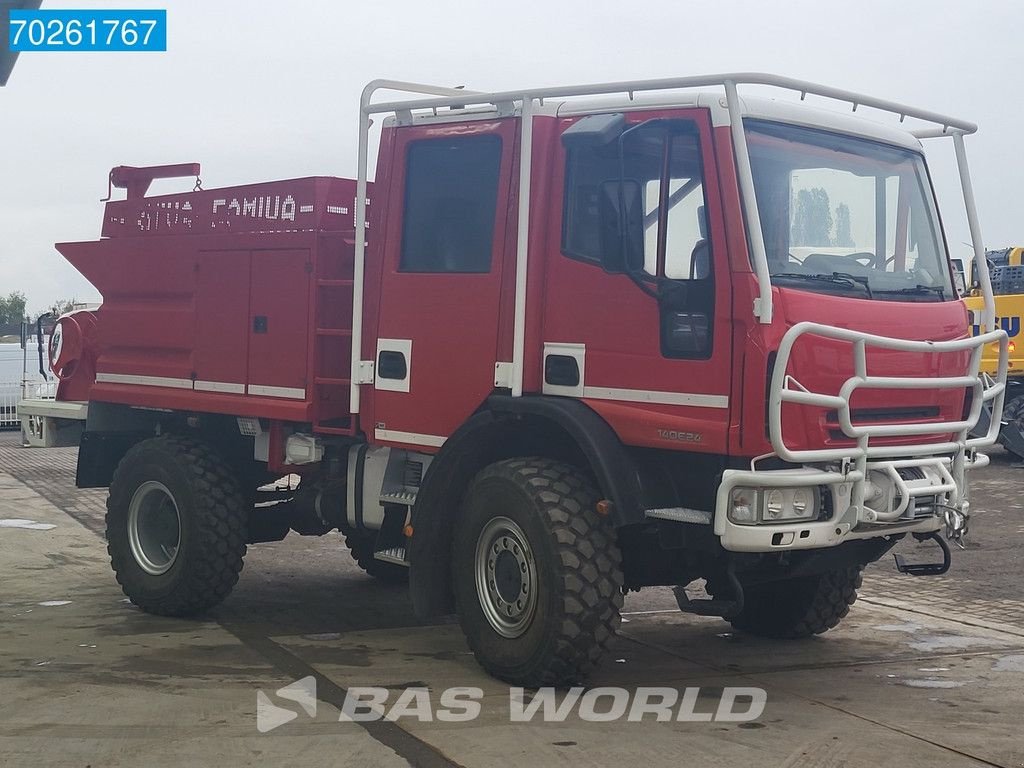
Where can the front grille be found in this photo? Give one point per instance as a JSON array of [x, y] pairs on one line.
[[895, 415]]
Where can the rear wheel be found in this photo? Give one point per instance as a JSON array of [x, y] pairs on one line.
[[537, 573], [176, 526], [801, 607]]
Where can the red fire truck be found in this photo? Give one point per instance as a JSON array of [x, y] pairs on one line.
[[570, 342]]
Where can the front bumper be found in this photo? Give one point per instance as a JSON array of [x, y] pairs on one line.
[[914, 506], [872, 489]]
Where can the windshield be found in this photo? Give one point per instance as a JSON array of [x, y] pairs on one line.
[[846, 215]]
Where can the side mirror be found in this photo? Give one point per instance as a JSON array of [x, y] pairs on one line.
[[622, 225]]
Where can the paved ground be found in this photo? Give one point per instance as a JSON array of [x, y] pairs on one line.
[[925, 672]]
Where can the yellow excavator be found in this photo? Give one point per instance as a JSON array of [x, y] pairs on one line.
[[1006, 267]]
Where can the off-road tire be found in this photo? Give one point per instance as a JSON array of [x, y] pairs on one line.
[[361, 548], [578, 572], [213, 515], [1013, 412], [802, 607]]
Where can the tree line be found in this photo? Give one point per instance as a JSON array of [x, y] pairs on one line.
[[813, 221], [12, 309]]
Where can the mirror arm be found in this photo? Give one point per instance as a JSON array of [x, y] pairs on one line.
[[623, 219]]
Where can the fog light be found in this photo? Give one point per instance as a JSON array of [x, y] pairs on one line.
[[794, 504], [774, 505], [803, 503]]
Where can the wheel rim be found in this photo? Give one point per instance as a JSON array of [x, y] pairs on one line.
[[154, 528], [506, 577]]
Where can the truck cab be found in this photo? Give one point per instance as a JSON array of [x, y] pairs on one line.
[[570, 342]]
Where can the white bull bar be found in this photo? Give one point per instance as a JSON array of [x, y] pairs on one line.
[[846, 471]]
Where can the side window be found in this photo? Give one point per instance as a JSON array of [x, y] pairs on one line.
[[662, 181], [636, 204], [451, 193]]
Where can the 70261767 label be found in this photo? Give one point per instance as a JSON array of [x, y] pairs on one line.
[[87, 30]]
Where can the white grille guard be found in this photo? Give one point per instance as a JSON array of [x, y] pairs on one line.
[[786, 389], [847, 470]]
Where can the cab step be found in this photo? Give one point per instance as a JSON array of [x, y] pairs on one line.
[[394, 555]]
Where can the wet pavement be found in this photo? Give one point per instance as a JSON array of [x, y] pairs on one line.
[[925, 671]]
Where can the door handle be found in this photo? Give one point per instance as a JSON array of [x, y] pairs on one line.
[[392, 365]]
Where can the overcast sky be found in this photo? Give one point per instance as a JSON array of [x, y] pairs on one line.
[[259, 90]]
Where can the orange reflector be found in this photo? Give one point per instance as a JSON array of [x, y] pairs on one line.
[[1012, 347], [604, 507], [407, 531]]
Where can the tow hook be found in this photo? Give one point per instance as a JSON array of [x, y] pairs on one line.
[[957, 522], [926, 569]]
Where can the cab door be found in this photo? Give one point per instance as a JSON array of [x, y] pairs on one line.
[[637, 316], [443, 250]]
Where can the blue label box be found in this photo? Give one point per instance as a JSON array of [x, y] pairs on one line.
[[87, 30]]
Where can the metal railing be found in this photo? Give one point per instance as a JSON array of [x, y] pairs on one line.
[[524, 100], [12, 392]]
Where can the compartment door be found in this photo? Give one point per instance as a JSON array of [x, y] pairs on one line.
[[220, 354], [279, 323]]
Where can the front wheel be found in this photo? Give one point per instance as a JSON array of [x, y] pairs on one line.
[[537, 573], [801, 607]]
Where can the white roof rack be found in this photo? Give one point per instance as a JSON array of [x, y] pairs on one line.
[[525, 100]]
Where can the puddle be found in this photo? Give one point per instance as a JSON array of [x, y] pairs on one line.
[[31, 525], [947, 642], [323, 636], [1009, 664], [934, 642], [907, 626], [929, 683], [54, 603]]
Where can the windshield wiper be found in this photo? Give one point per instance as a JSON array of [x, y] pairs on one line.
[[918, 290], [841, 278]]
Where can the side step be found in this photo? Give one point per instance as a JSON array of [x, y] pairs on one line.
[[390, 546], [926, 569], [394, 555]]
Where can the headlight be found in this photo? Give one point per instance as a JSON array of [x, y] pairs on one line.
[[743, 506], [753, 506]]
